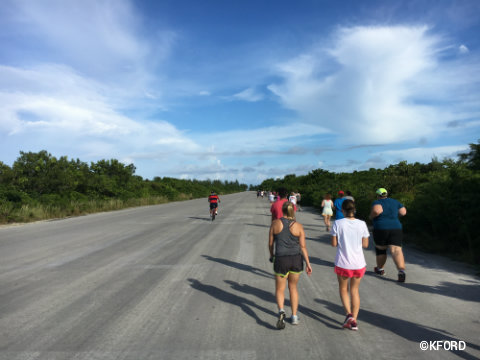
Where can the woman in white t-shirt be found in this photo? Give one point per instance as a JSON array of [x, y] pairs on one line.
[[350, 235]]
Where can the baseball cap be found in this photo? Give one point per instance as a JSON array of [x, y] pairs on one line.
[[341, 192], [381, 191]]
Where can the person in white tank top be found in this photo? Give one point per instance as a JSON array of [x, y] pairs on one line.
[[293, 198], [327, 212]]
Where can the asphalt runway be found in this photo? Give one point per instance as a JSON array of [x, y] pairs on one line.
[[165, 282]]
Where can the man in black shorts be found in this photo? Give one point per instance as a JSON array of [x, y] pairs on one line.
[[387, 232], [213, 199]]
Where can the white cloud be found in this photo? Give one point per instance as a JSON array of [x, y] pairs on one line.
[[55, 108], [280, 139], [463, 49], [249, 94], [374, 85], [422, 154]]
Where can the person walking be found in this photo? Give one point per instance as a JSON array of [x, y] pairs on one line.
[[276, 207], [338, 205], [288, 250], [350, 235], [387, 232], [327, 211], [349, 195]]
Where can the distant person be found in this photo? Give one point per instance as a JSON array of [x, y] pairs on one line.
[[327, 212], [288, 250], [349, 196], [350, 235], [338, 205], [276, 208], [293, 198], [271, 197], [214, 200], [387, 232], [297, 203]]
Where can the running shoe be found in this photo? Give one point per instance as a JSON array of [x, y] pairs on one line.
[[378, 271], [281, 320], [294, 320], [353, 325], [347, 322], [401, 276]]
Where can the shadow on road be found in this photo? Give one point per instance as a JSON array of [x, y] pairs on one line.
[[318, 261], [460, 291], [243, 303], [324, 238], [268, 296], [406, 329], [240, 266], [200, 218]]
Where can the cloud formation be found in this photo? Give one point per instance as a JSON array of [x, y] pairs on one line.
[[373, 85], [56, 108]]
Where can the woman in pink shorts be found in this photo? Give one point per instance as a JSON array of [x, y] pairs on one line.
[[350, 235]]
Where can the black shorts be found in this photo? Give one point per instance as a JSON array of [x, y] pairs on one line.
[[213, 205], [388, 237], [284, 265]]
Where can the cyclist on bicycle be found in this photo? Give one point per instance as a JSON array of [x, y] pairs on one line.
[[213, 199]]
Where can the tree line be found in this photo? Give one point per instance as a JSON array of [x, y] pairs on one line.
[[39, 185], [441, 198]]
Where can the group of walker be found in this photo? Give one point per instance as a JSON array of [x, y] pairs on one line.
[[288, 251]]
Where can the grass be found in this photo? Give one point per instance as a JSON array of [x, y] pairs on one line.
[[29, 213]]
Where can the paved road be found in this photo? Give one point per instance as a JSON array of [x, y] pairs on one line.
[[164, 282]]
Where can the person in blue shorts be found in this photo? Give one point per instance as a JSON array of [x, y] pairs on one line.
[[387, 232]]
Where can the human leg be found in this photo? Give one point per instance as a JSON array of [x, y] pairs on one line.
[[397, 256], [344, 295], [381, 256], [293, 290], [355, 295], [280, 285]]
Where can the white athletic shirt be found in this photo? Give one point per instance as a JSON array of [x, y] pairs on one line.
[[349, 234], [293, 199]]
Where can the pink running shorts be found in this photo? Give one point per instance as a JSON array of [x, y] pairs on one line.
[[350, 273]]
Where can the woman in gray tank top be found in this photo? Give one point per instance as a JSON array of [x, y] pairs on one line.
[[286, 241]]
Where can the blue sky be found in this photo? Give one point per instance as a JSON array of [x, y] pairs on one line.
[[243, 90]]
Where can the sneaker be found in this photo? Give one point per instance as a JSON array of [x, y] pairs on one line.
[[378, 271], [347, 322], [294, 320], [353, 325], [401, 276], [281, 320]]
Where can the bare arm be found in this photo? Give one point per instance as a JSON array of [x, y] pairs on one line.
[[402, 211], [365, 242], [270, 240], [334, 241], [377, 209]]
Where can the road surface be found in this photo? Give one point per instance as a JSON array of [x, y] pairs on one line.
[[164, 282]]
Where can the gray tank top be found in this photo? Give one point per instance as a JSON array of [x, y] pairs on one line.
[[285, 242]]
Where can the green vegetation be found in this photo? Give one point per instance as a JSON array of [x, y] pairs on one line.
[[441, 199], [39, 186]]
